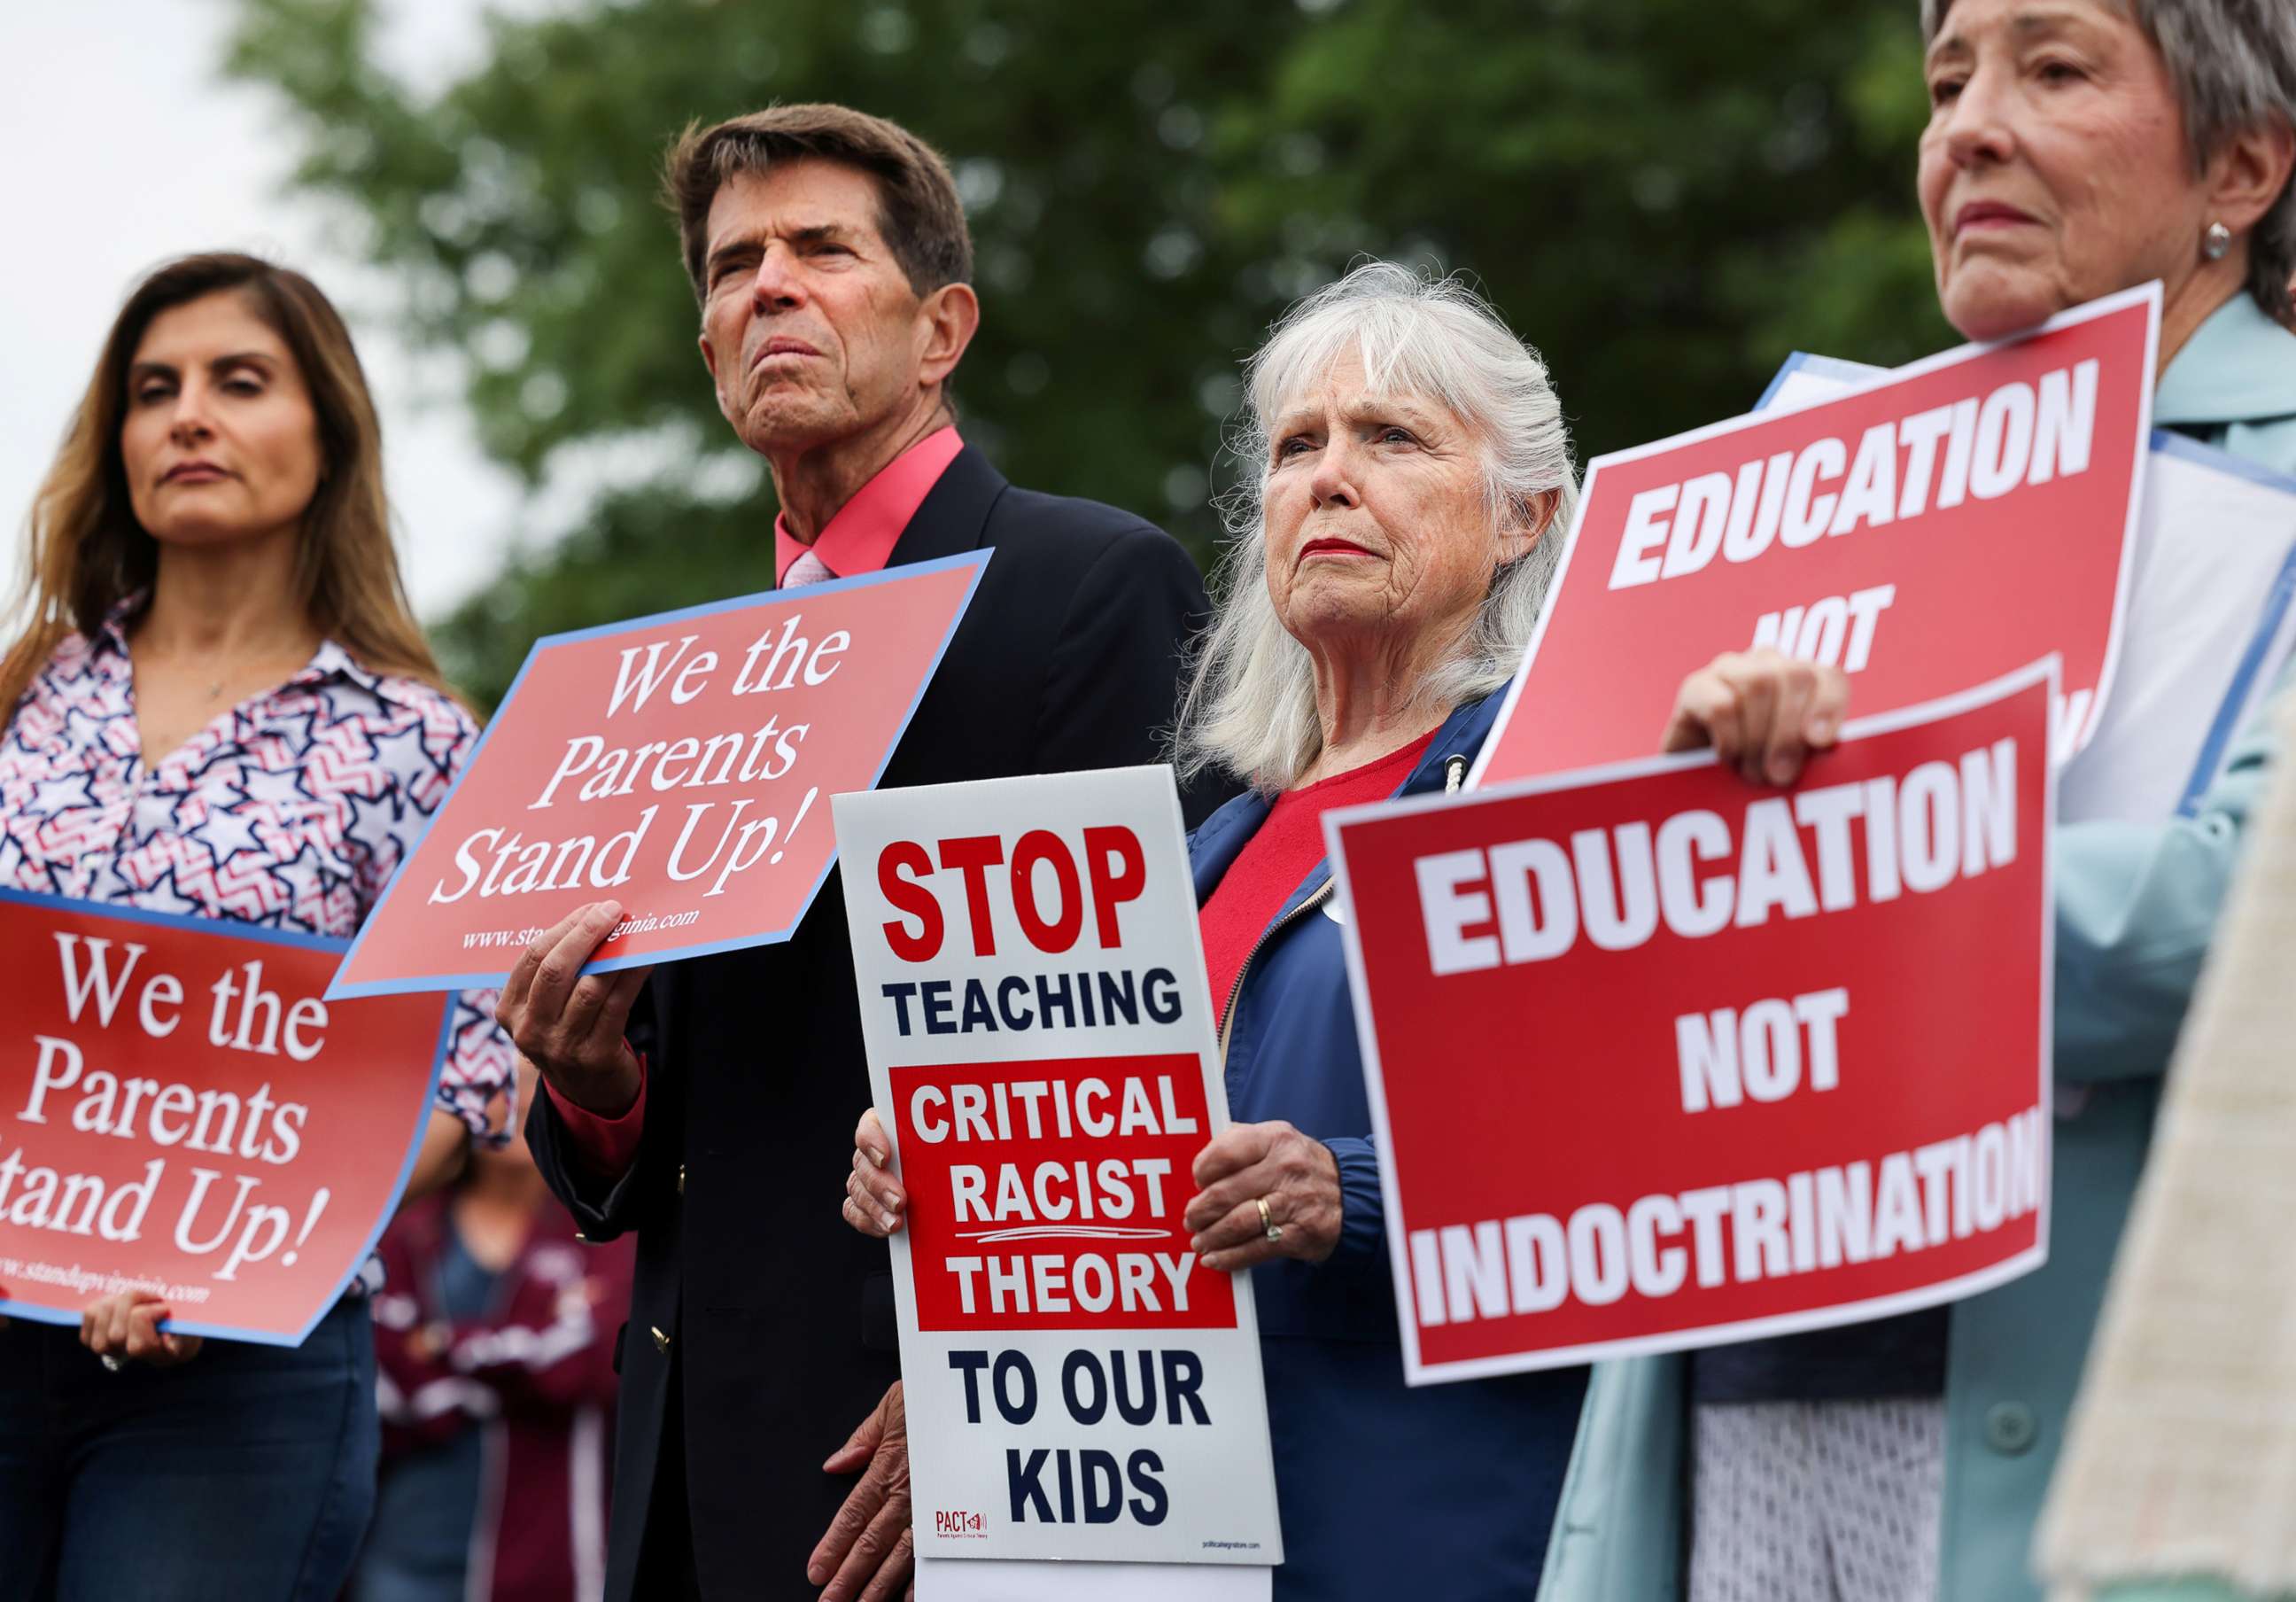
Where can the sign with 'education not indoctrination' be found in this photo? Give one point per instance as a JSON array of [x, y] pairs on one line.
[[1079, 1386], [678, 764], [1779, 1079]]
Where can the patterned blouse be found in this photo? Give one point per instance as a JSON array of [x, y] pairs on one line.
[[290, 810]]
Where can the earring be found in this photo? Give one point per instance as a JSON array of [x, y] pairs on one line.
[[2216, 242]]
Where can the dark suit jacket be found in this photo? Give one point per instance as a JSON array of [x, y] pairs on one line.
[[777, 1316]]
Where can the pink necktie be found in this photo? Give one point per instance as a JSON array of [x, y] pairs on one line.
[[808, 568]]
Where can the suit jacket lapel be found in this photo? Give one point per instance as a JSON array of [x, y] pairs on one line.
[[954, 512]]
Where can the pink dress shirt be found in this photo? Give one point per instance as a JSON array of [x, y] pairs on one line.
[[859, 539]]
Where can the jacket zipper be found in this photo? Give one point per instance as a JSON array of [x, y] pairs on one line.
[[1322, 893], [1455, 770]]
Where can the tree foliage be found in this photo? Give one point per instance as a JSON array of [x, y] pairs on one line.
[[1665, 196]]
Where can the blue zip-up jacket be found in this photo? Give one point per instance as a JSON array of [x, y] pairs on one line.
[[1388, 1493]]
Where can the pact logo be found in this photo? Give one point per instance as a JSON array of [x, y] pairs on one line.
[[959, 1525]]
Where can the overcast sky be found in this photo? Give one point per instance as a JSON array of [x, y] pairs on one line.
[[125, 149]]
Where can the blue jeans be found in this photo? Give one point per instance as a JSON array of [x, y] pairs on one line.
[[245, 1475]]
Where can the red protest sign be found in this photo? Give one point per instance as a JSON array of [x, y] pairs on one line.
[[1658, 1060], [1937, 527], [1044, 1229], [186, 1114], [676, 763]]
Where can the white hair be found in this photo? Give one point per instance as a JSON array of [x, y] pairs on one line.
[[1251, 706]]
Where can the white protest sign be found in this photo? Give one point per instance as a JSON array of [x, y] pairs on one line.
[[1041, 1051], [2208, 633], [2209, 624], [947, 1579]]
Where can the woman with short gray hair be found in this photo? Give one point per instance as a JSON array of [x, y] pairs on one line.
[[1407, 482], [2075, 148]]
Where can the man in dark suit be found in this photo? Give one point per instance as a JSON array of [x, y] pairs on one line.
[[831, 257]]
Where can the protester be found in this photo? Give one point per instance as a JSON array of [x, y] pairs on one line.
[[222, 708], [830, 258], [494, 1338], [1409, 463], [2072, 151]]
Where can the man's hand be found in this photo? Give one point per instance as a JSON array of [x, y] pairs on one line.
[[866, 1555], [872, 1197], [125, 1325], [1764, 713], [569, 1026], [1248, 1164]]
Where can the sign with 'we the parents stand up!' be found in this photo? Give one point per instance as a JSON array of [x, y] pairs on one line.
[[676, 764], [1041, 1050], [182, 1111]]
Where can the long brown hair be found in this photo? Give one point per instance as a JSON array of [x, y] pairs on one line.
[[88, 553]]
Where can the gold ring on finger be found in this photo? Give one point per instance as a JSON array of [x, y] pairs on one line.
[[1268, 1226]]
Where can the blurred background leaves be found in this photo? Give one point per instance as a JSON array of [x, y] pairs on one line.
[[1664, 196]]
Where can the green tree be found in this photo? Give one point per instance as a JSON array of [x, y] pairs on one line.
[[1664, 196]]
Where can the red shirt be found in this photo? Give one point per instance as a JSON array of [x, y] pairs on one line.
[[1274, 861], [859, 539]]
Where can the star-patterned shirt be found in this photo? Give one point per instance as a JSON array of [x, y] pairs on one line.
[[291, 810]]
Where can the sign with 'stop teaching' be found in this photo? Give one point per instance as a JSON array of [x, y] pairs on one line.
[[1041, 1051], [1939, 526], [1659, 1059], [183, 1112], [678, 764]]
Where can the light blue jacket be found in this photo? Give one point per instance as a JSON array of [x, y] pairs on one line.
[[2136, 906]]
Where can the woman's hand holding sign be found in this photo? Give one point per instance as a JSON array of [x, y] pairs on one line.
[[124, 1327], [1764, 712], [570, 1025], [1246, 1168], [872, 1196], [1268, 1191]]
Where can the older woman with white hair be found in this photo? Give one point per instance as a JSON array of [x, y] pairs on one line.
[[1409, 474], [2074, 148]]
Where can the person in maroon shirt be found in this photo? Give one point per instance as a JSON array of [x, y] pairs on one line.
[[494, 1344]]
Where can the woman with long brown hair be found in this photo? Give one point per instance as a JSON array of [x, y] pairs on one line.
[[219, 705]]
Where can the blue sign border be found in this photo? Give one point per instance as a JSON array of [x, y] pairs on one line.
[[1828, 366], [977, 561], [231, 929]]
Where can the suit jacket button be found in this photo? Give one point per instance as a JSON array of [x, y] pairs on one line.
[[2010, 1428], [661, 1340], [681, 1178]]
